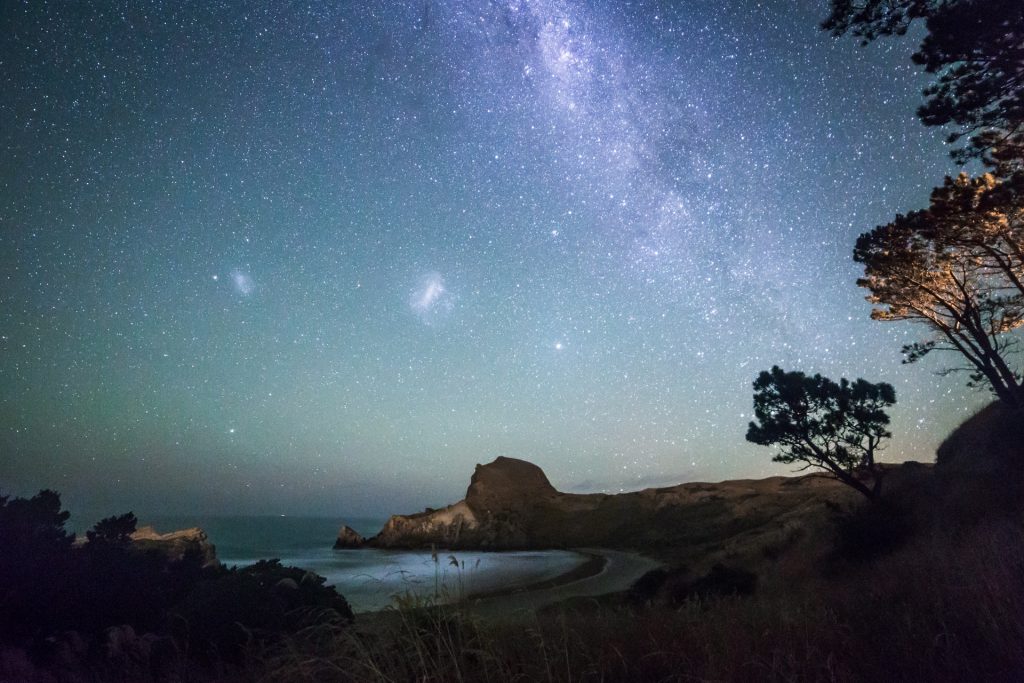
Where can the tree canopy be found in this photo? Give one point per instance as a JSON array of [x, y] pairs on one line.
[[37, 520], [815, 421], [958, 268], [976, 50], [116, 530]]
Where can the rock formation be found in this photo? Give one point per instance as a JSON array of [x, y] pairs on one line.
[[176, 543], [348, 538], [510, 504], [507, 484]]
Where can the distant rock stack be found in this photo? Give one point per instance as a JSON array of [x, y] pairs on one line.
[[348, 538]]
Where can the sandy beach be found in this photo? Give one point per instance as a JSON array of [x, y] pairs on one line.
[[605, 571]]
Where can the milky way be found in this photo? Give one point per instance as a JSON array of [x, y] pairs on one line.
[[325, 257]]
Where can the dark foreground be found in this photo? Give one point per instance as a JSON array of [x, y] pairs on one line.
[[924, 584], [945, 602]]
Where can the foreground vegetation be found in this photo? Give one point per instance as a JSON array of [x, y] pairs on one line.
[[111, 609]]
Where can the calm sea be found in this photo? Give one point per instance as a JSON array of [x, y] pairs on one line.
[[369, 579]]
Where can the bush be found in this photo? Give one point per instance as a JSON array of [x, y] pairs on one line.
[[870, 531], [50, 588], [722, 580], [646, 588], [257, 603]]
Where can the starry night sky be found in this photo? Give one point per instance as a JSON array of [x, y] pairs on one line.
[[325, 257]]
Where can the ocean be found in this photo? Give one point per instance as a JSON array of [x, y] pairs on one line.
[[370, 579]]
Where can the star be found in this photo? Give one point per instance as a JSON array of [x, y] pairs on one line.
[[428, 242]]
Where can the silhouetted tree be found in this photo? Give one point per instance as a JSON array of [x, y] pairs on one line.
[[976, 49], [956, 267], [116, 530], [36, 520], [35, 552], [815, 421]]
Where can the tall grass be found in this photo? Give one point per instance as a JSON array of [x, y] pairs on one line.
[[948, 607]]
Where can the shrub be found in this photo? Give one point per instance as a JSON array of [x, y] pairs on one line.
[[258, 603]]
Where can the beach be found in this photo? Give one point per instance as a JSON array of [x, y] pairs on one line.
[[605, 571]]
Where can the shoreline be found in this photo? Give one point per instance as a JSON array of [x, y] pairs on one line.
[[592, 566], [605, 571], [602, 572]]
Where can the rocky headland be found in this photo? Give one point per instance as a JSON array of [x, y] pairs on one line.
[[511, 505]]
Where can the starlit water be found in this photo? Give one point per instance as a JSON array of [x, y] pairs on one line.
[[372, 579]]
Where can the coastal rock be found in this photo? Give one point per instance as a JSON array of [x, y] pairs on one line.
[[507, 484], [447, 527], [175, 544], [348, 538], [496, 513], [511, 505]]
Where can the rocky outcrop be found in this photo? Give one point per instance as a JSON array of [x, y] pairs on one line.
[[990, 442], [979, 468], [510, 504], [348, 538], [507, 484], [454, 526], [502, 498], [175, 544]]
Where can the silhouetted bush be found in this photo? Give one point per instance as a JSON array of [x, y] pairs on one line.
[[52, 589], [257, 603], [870, 531], [675, 586], [645, 589], [723, 580]]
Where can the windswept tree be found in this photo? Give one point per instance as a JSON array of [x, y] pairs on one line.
[[985, 217], [976, 50], [957, 268], [838, 428]]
